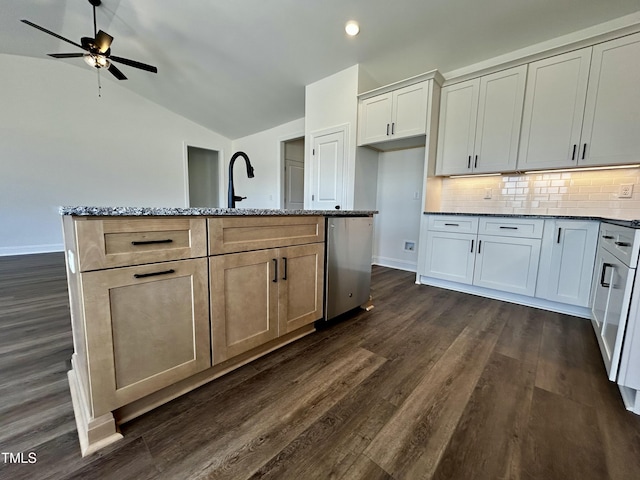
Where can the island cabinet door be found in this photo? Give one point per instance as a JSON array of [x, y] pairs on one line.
[[300, 286], [147, 327], [244, 302]]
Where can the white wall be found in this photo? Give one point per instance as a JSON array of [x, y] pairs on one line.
[[62, 145], [264, 151], [400, 176], [331, 102]]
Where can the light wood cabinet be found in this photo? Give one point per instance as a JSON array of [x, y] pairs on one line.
[[259, 295], [581, 108], [566, 263], [401, 113], [480, 124], [146, 328]]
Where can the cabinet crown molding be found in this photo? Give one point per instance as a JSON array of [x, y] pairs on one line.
[[434, 75]]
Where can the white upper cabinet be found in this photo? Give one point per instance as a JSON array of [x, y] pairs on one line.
[[401, 113], [553, 110], [480, 124], [611, 128], [582, 108]]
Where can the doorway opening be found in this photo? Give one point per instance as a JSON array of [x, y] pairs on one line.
[[293, 164], [203, 168]]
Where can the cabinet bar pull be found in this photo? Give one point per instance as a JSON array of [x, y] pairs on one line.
[[475, 163], [387, 129], [573, 155], [149, 242], [604, 271], [607, 237], [393, 128], [509, 228], [469, 162], [284, 277], [451, 225], [275, 273], [584, 150], [144, 275], [622, 244], [479, 245], [471, 245], [559, 231]]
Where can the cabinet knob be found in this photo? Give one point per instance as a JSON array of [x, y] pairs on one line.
[[337, 207]]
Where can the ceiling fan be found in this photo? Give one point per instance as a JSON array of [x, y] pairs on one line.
[[98, 49]]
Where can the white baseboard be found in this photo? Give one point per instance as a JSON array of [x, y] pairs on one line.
[[543, 304], [30, 249], [395, 263]]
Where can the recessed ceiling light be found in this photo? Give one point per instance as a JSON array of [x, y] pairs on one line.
[[352, 28]]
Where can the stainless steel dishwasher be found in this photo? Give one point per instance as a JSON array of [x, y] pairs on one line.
[[349, 248]]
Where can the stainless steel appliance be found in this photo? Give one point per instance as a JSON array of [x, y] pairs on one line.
[[614, 313], [349, 249]]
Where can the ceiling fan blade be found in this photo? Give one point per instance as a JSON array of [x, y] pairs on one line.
[[42, 29], [65, 55], [133, 63], [103, 41], [116, 73]]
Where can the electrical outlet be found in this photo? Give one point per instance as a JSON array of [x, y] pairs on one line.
[[416, 195], [487, 193], [626, 190], [409, 246]]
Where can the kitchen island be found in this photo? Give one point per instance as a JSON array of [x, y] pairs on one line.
[[164, 300]]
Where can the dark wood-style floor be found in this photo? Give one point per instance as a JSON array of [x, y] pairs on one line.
[[429, 384]]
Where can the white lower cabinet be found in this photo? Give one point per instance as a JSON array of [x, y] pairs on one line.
[[450, 256], [501, 257], [509, 264], [567, 260]]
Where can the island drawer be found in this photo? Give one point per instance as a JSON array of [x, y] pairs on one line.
[[511, 227], [120, 242], [243, 234]]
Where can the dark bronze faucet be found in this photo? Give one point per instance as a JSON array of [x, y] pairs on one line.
[[232, 198]]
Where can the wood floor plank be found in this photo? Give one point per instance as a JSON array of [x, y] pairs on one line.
[[487, 441], [412, 442], [522, 333], [563, 440], [240, 450], [568, 364]]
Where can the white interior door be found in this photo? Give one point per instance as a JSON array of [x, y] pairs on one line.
[[294, 174], [328, 160]]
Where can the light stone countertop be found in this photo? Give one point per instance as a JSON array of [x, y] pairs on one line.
[[86, 211]]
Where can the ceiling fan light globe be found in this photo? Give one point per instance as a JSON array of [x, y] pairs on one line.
[[96, 61]]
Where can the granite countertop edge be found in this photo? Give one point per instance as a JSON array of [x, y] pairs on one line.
[[84, 211], [615, 221]]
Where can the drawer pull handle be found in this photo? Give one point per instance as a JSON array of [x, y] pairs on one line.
[[623, 244], [284, 277], [144, 275], [451, 225], [150, 242], [604, 271], [509, 228], [607, 237], [275, 273]]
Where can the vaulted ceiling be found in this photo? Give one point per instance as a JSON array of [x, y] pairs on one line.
[[240, 66]]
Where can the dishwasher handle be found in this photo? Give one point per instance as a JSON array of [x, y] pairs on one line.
[[604, 272]]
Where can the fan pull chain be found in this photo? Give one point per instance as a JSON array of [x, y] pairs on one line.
[[99, 84]]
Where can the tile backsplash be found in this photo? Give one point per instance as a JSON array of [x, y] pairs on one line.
[[586, 193]]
